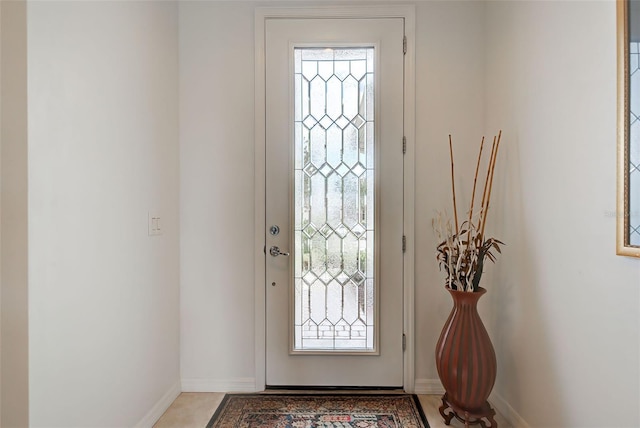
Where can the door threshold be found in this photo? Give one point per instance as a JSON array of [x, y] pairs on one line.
[[337, 389]]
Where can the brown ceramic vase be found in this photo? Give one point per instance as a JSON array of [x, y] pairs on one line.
[[466, 362]]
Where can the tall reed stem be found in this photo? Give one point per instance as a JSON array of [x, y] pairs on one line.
[[473, 193], [493, 168], [486, 185], [453, 185]]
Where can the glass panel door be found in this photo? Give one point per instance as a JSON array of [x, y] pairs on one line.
[[334, 184]]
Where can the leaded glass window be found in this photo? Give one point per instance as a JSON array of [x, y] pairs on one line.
[[634, 143], [334, 199]]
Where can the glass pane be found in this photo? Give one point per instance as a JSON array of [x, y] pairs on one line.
[[334, 180], [634, 152]]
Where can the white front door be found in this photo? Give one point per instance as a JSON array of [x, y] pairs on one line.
[[334, 202]]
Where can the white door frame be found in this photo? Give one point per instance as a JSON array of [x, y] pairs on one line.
[[401, 11]]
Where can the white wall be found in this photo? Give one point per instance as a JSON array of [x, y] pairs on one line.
[[567, 307], [102, 152], [13, 226], [217, 179], [216, 195]]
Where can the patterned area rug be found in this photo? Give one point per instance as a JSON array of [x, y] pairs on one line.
[[319, 411]]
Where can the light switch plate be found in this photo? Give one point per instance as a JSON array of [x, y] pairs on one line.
[[155, 223]]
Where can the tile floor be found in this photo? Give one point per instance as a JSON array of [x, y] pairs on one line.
[[194, 410]]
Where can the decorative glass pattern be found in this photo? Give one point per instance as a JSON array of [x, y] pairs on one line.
[[634, 141], [334, 199]]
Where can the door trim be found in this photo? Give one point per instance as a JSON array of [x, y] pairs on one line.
[[261, 14]]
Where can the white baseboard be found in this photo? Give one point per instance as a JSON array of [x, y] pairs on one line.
[[219, 385], [505, 409], [428, 386], [160, 407]]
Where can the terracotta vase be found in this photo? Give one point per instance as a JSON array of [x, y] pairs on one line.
[[466, 362]]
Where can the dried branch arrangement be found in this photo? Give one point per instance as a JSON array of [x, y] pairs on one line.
[[463, 250]]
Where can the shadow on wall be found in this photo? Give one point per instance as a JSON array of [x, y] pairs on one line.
[[516, 320]]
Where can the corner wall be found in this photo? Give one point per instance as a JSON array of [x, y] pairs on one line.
[[566, 307], [449, 100], [216, 196], [103, 153]]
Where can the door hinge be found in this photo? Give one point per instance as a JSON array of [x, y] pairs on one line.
[[404, 45], [404, 243], [404, 145], [404, 342]]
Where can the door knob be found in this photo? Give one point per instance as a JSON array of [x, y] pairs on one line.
[[275, 252]]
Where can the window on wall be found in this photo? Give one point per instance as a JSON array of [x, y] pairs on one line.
[[634, 138]]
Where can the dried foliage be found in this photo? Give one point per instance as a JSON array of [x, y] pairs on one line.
[[463, 249]]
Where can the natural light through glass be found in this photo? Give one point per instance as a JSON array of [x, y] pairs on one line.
[[634, 147], [334, 199]]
